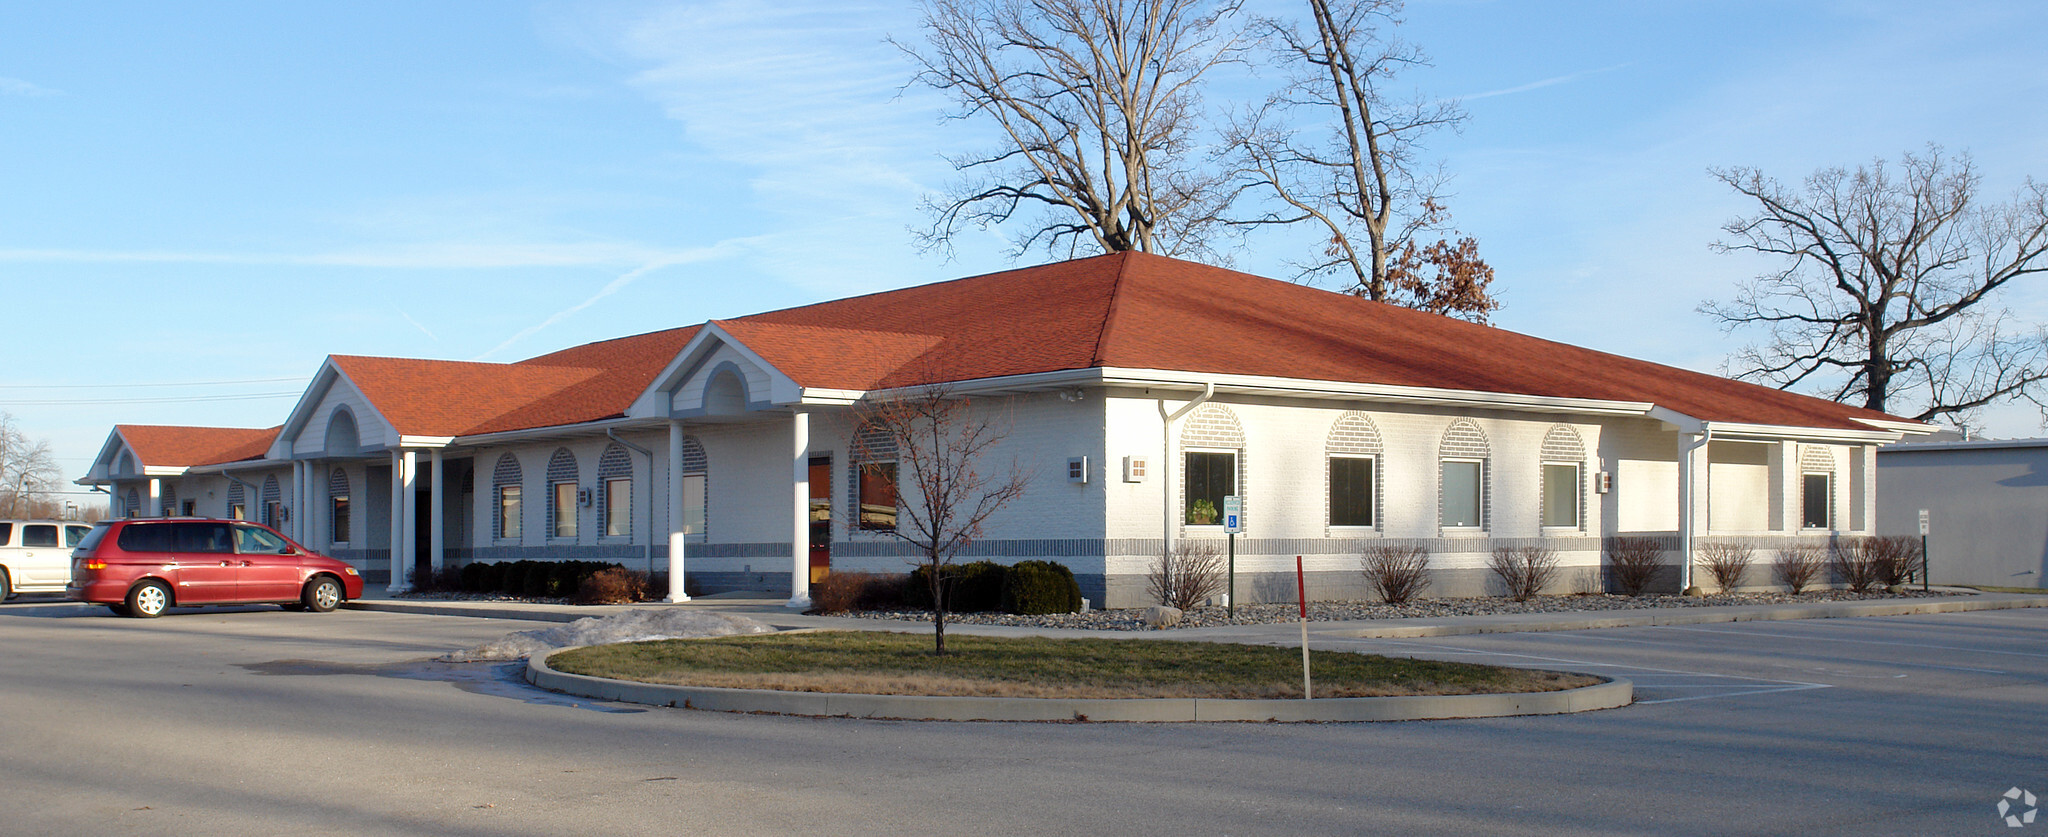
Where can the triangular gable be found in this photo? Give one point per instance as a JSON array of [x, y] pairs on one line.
[[305, 430], [170, 450], [679, 389]]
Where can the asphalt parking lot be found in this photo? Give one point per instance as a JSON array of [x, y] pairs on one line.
[[259, 721]]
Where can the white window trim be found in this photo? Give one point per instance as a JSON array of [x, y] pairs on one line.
[[860, 529], [1372, 491], [1578, 496], [1236, 483], [704, 504], [555, 503], [604, 514], [499, 518], [1479, 487], [1830, 494]]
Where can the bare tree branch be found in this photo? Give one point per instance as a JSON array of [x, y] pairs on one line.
[[1098, 102], [1886, 294], [1361, 180], [939, 443], [28, 472]]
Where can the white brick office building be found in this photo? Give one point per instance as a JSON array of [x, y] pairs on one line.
[[1167, 384]]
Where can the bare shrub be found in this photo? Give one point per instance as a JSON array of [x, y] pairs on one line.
[[1525, 570], [1191, 572], [840, 592], [1633, 563], [1797, 566], [616, 585], [1893, 558], [1853, 566], [1398, 573], [1727, 563]]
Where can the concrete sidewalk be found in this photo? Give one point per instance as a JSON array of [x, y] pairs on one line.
[[773, 611]]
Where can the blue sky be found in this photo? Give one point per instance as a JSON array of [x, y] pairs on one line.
[[228, 194]]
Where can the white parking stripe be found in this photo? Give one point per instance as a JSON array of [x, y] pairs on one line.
[[1821, 638]]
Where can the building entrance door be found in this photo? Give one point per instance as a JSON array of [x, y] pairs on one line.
[[821, 518]]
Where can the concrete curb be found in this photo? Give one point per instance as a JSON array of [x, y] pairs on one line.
[[1678, 616], [1607, 695]]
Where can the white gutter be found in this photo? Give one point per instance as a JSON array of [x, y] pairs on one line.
[[1166, 460]]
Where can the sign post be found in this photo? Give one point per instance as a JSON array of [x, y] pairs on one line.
[[1301, 589], [1233, 523], [1924, 568]]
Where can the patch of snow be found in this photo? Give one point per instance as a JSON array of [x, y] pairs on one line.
[[627, 626]]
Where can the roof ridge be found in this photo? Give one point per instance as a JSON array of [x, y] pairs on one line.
[[1109, 312]]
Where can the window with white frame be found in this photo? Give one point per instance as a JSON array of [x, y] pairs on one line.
[[693, 504], [1817, 501], [1351, 490], [1561, 489], [615, 475], [1463, 480], [1209, 477], [507, 480], [563, 480]]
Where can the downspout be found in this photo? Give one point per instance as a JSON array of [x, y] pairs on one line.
[[1166, 461], [649, 546], [1685, 507]]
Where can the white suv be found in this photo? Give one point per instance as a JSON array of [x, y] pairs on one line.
[[35, 555]]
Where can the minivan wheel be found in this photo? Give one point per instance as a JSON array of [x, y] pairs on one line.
[[149, 600], [6, 586], [322, 594]]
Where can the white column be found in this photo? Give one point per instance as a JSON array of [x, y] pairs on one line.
[[397, 584], [297, 527], [436, 541], [156, 498], [800, 511], [409, 531], [676, 538], [1690, 447]]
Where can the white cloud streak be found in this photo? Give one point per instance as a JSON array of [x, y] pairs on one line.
[[17, 87], [450, 255], [1538, 85], [614, 286]]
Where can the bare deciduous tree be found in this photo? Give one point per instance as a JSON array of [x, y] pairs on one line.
[[1187, 575], [1887, 295], [946, 491], [28, 472], [1360, 179], [1098, 103]]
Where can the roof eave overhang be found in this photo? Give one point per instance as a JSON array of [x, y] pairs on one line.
[[554, 432], [1351, 391]]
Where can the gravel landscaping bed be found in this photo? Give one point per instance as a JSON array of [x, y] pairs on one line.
[[1261, 614]]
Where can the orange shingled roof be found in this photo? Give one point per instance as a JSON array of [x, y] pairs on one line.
[[1128, 310], [172, 446]]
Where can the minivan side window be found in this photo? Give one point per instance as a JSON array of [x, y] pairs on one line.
[[146, 537], [73, 535], [249, 539], [6, 533], [203, 537], [39, 534]]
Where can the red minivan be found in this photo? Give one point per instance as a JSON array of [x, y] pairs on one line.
[[140, 567]]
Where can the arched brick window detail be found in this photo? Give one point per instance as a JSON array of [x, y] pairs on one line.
[[506, 516], [236, 496], [1463, 444], [869, 445], [340, 508], [1353, 435], [1213, 429], [562, 469], [613, 465], [1817, 487], [170, 500], [133, 504], [273, 502], [1563, 446], [696, 485]]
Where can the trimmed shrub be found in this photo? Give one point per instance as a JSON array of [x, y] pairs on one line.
[[1397, 573], [1853, 566], [612, 585], [970, 588], [1727, 562], [488, 577], [1632, 563], [1798, 566], [1031, 588], [1194, 571], [1524, 570]]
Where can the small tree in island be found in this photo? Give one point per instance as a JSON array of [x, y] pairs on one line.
[[923, 478]]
